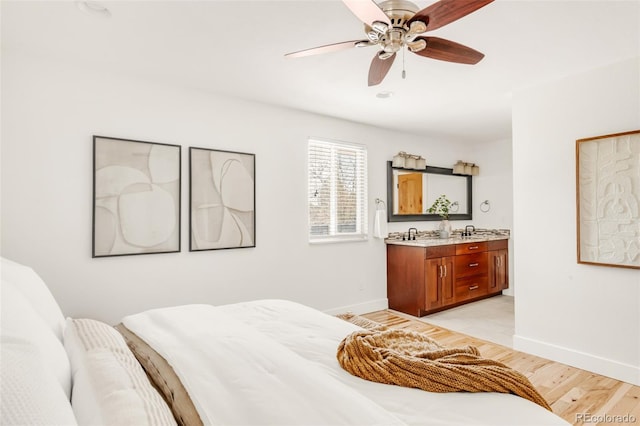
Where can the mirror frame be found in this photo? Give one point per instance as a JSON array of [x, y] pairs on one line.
[[391, 217]]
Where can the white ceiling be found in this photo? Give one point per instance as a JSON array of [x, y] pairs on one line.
[[237, 47]]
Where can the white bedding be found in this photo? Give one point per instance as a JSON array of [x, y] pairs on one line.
[[274, 362]]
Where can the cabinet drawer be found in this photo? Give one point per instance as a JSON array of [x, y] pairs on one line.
[[471, 264], [471, 247], [497, 244], [439, 251], [471, 287]]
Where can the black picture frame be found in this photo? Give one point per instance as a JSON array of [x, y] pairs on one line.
[[222, 199], [136, 197]]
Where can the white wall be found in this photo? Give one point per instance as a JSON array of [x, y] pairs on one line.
[[495, 184], [584, 315], [50, 112]]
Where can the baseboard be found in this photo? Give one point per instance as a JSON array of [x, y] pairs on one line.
[[603, 366], [360, 308]]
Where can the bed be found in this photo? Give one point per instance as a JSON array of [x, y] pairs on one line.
[[266, 362]]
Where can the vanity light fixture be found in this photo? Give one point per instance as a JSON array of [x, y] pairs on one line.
[[409, 161], [93, 8], [462, 168]]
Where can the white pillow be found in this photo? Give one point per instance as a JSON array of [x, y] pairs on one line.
[[31, 286], [109, 385], [20, 322], [31, 394]]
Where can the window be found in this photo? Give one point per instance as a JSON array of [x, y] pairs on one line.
[[337, 191]]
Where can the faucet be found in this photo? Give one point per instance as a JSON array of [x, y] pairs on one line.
[[468, 233], [414, 234]]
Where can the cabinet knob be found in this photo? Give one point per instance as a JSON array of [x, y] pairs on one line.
[[473, 248], [473, 287], [472, 265]]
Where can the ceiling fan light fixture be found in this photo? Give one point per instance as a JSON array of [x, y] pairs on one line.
[[417, 27], [416, 46], [380, 27]]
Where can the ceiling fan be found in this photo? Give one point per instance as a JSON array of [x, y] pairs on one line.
[[394, 24]]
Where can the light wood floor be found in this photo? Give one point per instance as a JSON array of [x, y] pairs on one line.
[[571, 392]]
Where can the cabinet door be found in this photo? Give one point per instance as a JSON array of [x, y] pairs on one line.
[[447, 283], [433, 271], [503, 281], [498, 270], [439, 288]]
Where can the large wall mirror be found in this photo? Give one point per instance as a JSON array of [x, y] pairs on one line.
[[411, 192]]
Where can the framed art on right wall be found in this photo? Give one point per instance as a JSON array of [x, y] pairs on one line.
[[608, 200]]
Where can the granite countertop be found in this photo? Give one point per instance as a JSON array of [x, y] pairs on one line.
[[431, 238]]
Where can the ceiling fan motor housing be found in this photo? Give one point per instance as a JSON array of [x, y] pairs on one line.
[[399, 11], [391, 39]]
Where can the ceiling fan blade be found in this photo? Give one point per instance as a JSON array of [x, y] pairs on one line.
[[450, 51], [379, 69], [327, 48], [367, 11], [446, 11]]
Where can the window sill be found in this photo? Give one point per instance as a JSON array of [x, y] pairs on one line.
[[333, 240]]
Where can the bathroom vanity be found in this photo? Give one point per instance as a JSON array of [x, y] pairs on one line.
[[427, 275]]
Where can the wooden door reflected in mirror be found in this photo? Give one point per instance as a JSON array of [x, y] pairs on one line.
[[410, 193]]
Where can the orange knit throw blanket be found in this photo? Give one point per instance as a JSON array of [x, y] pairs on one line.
[[414, 360]]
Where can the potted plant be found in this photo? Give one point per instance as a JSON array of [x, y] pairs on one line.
[[441, 207]]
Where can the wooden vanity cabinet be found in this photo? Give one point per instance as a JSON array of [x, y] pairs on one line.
[[419, 279], [422, 280]]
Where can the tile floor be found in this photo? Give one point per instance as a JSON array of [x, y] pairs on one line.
[[489, 319]]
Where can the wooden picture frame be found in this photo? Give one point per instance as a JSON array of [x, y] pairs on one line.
[[608, 200], [136, 197], [221, 199]]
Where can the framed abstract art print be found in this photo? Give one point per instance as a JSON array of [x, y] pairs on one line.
[[136, 197], [221, 199], [608, 200]]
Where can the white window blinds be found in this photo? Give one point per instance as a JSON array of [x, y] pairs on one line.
[[337, 191]]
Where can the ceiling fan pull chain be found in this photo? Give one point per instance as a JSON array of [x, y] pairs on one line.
[[404, 72]]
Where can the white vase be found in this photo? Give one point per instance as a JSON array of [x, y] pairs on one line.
[[445, 228]]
